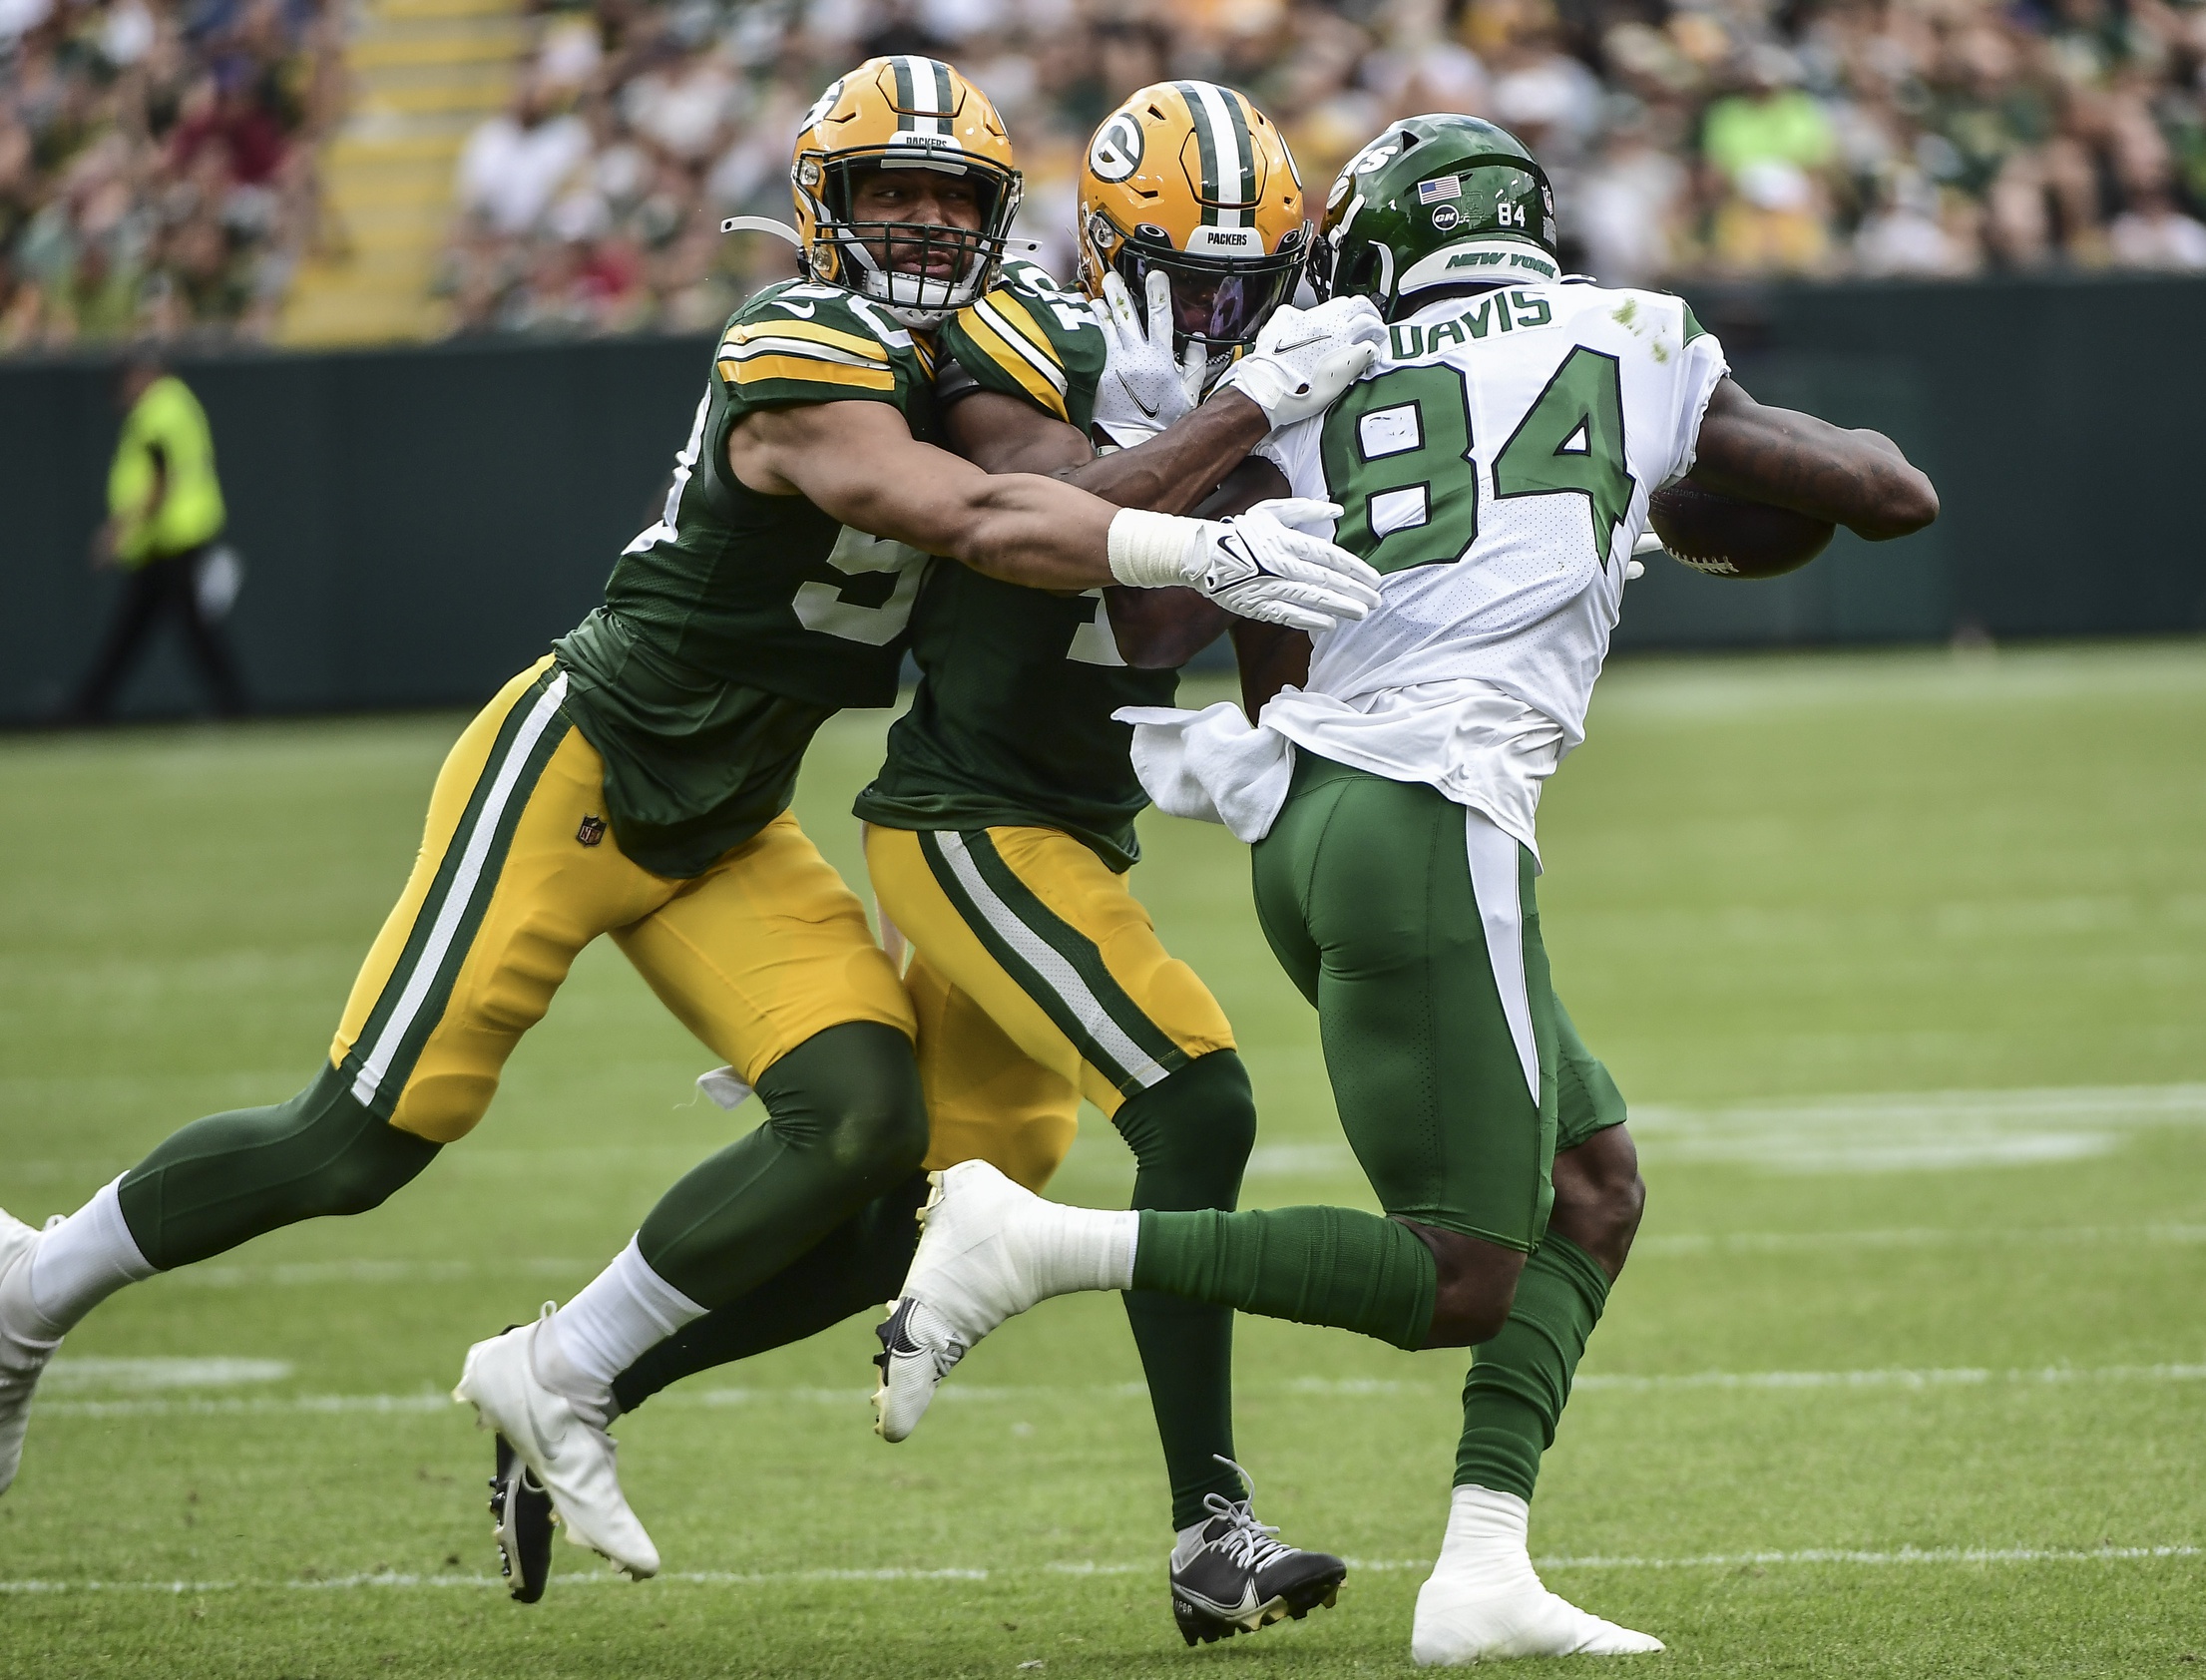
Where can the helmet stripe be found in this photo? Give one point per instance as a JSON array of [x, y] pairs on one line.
[[1206, 143], [1227, 168], [1244, 145], [945, 98], [905, 99]]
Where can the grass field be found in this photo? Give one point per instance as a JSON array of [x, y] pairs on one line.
[[1896, 1385]]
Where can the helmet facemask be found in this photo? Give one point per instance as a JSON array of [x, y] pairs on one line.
[[1219, 301], [920, 273]]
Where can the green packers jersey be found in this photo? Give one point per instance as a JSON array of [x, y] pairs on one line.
[[1028, 338], [740, 622], [1011, 724]]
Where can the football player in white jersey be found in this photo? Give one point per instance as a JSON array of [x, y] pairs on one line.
[[1495, 466]]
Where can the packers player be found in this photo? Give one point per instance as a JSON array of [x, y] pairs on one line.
[[1494, 466], [1000, 828], [635, 782]]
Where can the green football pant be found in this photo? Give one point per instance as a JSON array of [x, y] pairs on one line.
[[1190, 1135]]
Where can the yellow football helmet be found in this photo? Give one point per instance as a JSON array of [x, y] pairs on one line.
[[1191, 178], [914, 113]]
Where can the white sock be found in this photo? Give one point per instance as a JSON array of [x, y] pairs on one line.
[[1488, 1532], [1077, 1248], [85, 1259], [1188, 1541], [623, 1312]]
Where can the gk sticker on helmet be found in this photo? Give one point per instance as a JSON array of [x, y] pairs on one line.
[[1444, 217], [1116, 152]]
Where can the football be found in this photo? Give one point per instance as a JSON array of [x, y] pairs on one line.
[[1727, 538]]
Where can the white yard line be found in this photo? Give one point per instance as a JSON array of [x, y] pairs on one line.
[[1949, 1556], [1889, 1378]]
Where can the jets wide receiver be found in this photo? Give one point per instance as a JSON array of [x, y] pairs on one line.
[[1495, 466], [635, 782], [1001, 827]]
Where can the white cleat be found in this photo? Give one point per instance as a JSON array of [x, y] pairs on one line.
[[26, 1341], [1465, 1617], [968, 1276], [572, 1458]]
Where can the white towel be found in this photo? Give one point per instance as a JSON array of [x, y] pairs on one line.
[[1211, 764]]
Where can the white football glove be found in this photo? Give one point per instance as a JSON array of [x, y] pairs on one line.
[[1272, 563], [1305, 358], [1144, 387]]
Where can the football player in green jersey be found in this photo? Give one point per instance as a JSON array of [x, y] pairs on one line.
[[1000, 826], [635, 782]]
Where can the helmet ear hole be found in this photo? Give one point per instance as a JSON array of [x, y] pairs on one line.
[[1362, 275]]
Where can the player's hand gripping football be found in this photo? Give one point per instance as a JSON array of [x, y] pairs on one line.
[[1305, 358], [1144, 388], [1272, 563]]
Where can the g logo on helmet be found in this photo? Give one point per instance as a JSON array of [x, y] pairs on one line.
[[1116, 152]]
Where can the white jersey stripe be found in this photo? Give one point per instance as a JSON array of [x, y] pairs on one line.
[[1055, 972], [456, 900], [1494, 883]]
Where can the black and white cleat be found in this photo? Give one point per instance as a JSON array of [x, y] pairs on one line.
[[1240, 1578], [521, 1516]]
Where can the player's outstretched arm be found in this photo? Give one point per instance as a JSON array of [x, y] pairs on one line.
[[1785, 458], [858, 463], [1170, 473]]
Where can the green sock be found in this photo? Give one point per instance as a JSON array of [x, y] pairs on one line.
[[233, 1176], [1192, 1134], [1520, 1381], [1313, 1265], [860, 1264], [844, 1123]]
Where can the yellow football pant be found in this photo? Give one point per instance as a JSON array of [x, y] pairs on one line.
[[519, 870], [1038, 978]]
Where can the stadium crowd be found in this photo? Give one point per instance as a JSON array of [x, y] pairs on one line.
[[1686, 138], [158, 164]]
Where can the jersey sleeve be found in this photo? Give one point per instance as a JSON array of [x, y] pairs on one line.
[[1701, 364], [1296, 451], [784, 351], [1031, 340]]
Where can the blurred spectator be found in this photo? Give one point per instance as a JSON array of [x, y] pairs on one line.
[[164, 510], [2153, 234], [158, 165], [155, 157]]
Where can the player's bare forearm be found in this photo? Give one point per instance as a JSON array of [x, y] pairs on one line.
[[1183, 465], [858, 463], [1859, 480], [1161, 629], [1168, 474], [1271, 656]]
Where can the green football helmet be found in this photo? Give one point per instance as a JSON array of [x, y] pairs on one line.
[[1435, 200]]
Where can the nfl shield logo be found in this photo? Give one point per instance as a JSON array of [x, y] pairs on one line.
[[591, 831]]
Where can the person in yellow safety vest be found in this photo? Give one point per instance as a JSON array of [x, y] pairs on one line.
[[165, 510]]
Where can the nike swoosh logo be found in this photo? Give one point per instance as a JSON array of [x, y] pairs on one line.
[[804, 309]]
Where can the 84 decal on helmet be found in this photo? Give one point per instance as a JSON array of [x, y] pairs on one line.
[[1435, 200]]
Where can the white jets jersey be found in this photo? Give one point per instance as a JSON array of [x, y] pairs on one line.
[[1494, 466]]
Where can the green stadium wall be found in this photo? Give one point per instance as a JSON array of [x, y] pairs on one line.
[[418, 524]]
